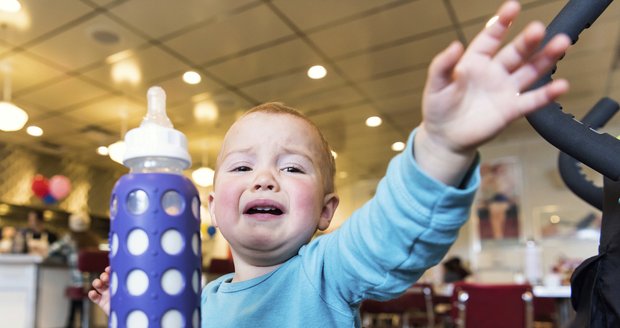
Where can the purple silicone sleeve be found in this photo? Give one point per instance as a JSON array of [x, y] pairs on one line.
[[155, 261]]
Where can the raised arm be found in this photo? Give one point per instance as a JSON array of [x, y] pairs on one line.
[[472, 94]]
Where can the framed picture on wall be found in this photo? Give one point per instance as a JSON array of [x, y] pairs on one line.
[[497, 204], [554, 222]]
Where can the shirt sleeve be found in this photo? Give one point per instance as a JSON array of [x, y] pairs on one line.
[[387, 244]]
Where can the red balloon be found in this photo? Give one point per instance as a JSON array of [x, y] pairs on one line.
[[40, 186]]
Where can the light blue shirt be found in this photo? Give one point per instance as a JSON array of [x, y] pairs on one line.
[[381, 250]]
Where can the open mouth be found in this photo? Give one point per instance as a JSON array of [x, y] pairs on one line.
[[264, 210]]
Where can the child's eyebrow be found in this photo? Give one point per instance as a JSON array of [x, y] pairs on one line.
[[299, 151]]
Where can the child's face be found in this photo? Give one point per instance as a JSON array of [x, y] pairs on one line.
[[269, 197]]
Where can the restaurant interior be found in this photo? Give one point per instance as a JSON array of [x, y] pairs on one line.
[[75, 75]]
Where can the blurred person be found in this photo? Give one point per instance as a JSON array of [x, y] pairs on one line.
[[454, 270], [36, 237], [8, 237], [68, 248]]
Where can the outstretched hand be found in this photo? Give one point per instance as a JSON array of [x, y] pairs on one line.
[[472, 94], [100, 295]]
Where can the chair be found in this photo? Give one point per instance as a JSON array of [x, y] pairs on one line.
[[413, 308], [501, 305], [91, 263]]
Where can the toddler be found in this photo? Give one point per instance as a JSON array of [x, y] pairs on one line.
[[274, 188]]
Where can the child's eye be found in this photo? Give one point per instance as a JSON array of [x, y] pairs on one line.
[[241, 169], [292, 169]]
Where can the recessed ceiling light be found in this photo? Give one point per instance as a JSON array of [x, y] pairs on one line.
[[373, 121], [10, 6], [34, 131], [317, 72], [334, 154], [191, 77], [398, 146], [102, 150]]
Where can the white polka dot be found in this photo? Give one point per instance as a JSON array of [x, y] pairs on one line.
[[172, 242], [137, 319], [195, 281], [172, 203], [113, 283], [114, 244], [172, 282], [172, 319], [113, 320], [137, 242], [113, 207], [137, 282], [196, 208], [137, 202], [196, 319], [195, 243]]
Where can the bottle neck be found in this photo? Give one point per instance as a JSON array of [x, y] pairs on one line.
[[155, 165]]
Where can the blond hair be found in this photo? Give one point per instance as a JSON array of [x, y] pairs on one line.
[[328, 169]]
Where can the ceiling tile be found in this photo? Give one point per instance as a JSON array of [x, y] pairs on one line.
[[229, 35], [77, 47], [152, 63], [41, 17], [286, 87], [310, 14], [56, 96], [412, 19], [400, 81], [27, 71], [419, 52], [164, 17], [283, 57]]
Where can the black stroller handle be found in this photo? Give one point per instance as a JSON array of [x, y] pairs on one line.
[[570, 170], [600, 151]]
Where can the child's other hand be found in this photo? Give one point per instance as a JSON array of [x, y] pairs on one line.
[[101, 293], [472, 94]]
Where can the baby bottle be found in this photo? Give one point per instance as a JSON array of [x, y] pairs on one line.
[[154, 232]]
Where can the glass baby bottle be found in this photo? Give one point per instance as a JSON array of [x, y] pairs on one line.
[[155, 253]]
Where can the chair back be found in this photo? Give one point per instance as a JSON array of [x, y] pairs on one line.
[[92, 260], [415, 306], [497, 305]]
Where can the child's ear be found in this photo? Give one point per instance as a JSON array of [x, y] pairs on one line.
[[330, 203], [212, 209]]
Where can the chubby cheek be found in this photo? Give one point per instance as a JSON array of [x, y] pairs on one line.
[[226, 204], [307, 201]]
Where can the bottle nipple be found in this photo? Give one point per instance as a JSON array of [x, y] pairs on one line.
[[156, 108]]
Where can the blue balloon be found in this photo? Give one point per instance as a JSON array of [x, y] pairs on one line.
[[211, 231], [49, 199]]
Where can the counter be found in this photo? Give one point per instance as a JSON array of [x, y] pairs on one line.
[[18, 289]]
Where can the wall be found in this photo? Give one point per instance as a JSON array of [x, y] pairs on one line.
[[91, 186]]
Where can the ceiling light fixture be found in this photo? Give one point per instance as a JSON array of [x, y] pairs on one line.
[[12, 118], [317, 72], [398, 146], [191, 77], [10, 6], [34, 131], [103, 151], [373, 121]]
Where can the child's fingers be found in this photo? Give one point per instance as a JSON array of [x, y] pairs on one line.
[[542, 62], [442, 67], [105, 277], [519, 51], [489, 40], [530, 101], [94, 296]]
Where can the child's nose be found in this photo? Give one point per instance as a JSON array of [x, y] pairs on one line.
[[266, 181]]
